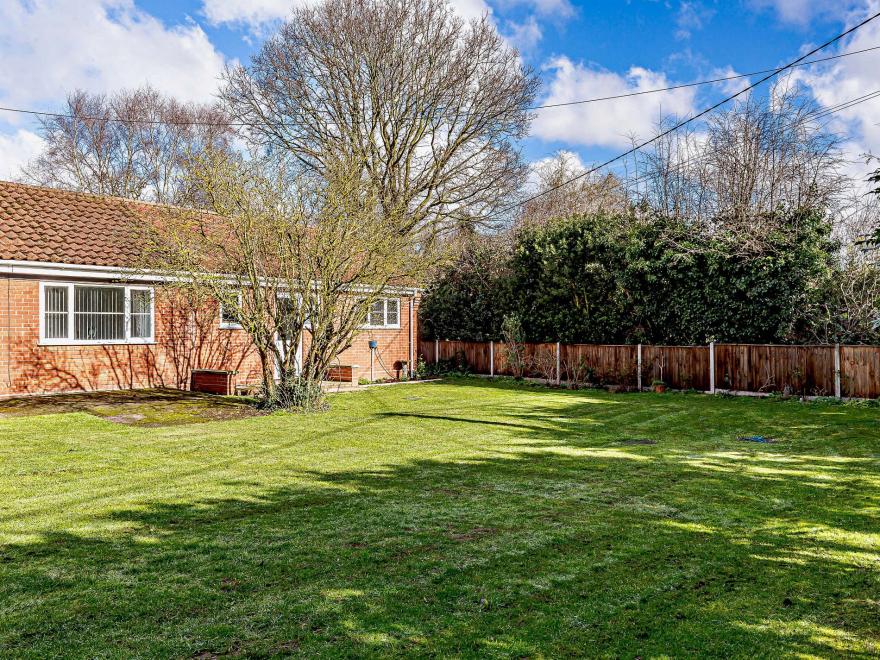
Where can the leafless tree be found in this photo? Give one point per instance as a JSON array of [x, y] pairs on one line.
[[847, 310], [751, 161], [297, 259], [430, 106], [133, 143], [600, 194]]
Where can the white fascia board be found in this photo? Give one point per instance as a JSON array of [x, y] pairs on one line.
[[88, 272]]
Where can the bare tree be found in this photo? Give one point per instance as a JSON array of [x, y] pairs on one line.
[[134, 143], [847, 309], [297, 259], [751, 161], [428, 105], [872, 235], [599, 194]]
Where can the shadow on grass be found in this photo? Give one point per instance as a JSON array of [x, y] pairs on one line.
[[150, 407], [533, 553]]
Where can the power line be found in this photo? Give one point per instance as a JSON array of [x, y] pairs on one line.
[[167, 122], [814, 115], [701, 82], [681, 124]]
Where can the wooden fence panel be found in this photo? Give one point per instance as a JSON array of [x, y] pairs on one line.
[[539, 360], [426, 350], [807, 370], [476, 353], [860, 371], [680, 367], [600, 363], [501, 368]]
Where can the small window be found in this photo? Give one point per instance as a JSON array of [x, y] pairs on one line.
[[96, 314], [392, 312], [384, 313], [377, 313], [229, 314], [55, 305], [141, 314]]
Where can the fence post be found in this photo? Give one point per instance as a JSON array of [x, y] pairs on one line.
[[711, 367], [838, 390], [558, 366], [436, 351], [492, 358], [639, 369]]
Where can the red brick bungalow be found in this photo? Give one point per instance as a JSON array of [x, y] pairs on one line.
[[76, 316]]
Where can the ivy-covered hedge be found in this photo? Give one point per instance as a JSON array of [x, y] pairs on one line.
[[597, 279]]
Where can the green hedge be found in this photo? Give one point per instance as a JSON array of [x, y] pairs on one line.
[[600, 279]]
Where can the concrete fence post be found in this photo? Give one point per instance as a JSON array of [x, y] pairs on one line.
[[712, 367], [436, 351], [558, 365], [639, 369], [838, 389], [492, 358]]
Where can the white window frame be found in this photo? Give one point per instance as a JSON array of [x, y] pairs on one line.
[[385, 325], [229, 325], [71, 301]]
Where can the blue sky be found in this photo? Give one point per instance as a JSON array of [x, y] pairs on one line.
[[580, 49]]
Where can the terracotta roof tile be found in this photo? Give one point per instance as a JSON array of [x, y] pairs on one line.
[[60, 226]]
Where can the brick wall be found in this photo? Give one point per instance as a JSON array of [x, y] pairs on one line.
[[393, 346], [186, 339]]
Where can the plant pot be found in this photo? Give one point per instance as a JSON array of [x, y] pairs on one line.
[[660, 389]]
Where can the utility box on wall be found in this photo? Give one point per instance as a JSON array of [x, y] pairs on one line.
[[213, 381]]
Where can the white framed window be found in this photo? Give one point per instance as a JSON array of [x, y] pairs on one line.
[[229, 319], [384, 313], [73, 313]]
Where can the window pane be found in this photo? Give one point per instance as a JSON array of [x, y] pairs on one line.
[[55, 304], [229, 313], [393, 317], [99, 313], [140, 301], [377, 313], [141, 317]]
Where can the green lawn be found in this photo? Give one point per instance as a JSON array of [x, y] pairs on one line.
[[464, 518]]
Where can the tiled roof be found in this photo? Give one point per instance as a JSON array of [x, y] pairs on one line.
[[60, 226]]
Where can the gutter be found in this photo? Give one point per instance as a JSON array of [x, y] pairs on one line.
[[83, 271]]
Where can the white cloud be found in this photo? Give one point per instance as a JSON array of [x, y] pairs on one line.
[[550, 8], [610, 124], [49, 47], [524, 36], [471, 9], [538, 169], [849, 78], [801, 12], [256, 13], [249, 12], [17, 149], [692, 16], [731, 87]]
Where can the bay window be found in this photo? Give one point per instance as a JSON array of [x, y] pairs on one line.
[[95, 314]]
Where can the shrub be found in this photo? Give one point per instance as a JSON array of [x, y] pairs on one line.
[[297, 394]]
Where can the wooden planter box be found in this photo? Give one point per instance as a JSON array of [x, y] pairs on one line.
[[213, 381], [341, 374]]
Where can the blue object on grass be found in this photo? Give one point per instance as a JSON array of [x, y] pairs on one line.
[[755, 438]]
